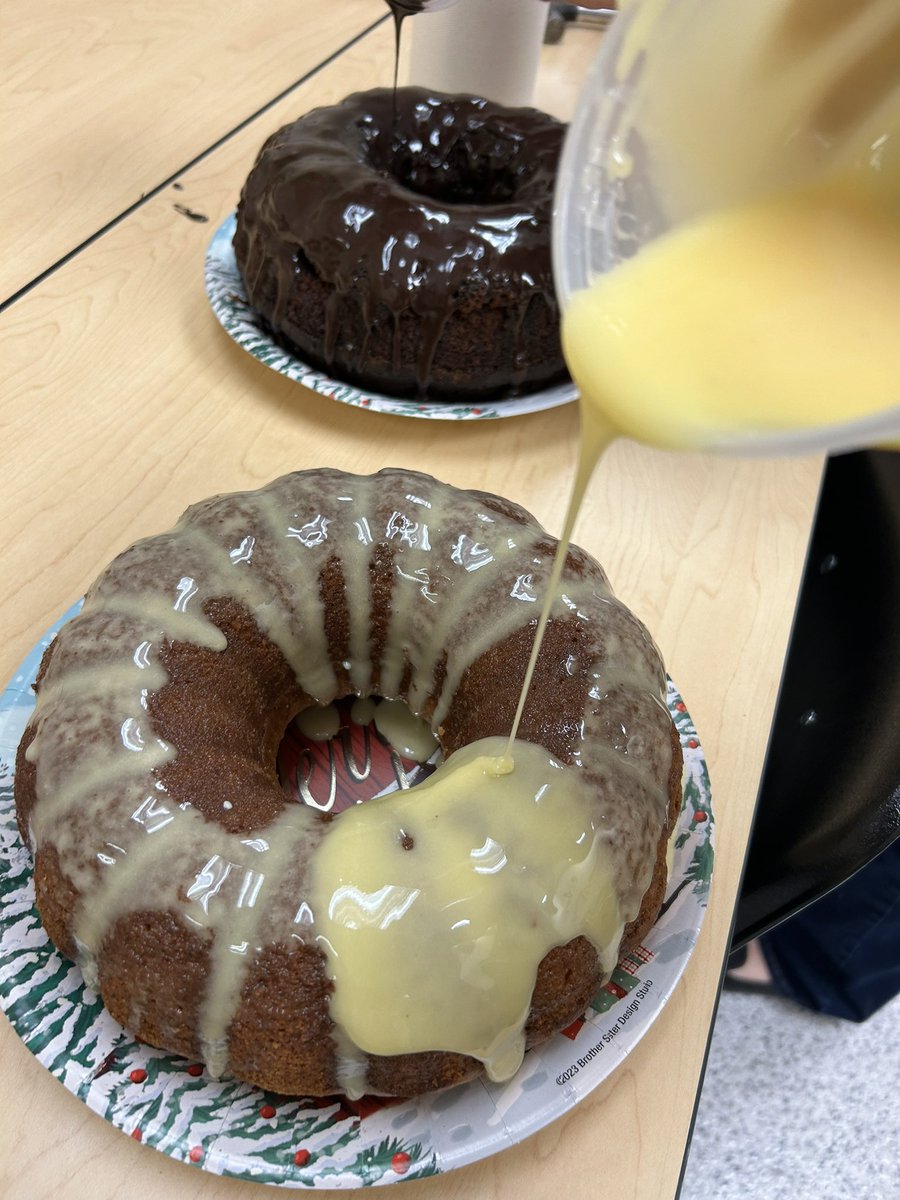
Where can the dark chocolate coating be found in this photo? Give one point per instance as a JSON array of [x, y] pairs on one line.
[[405, 8], [403, 243]]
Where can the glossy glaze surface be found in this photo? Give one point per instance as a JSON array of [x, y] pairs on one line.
[[431, 595], [419, 210]]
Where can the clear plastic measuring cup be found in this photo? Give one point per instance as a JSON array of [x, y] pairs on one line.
[[692, 107]]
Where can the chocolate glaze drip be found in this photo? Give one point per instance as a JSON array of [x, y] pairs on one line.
[[410, 257], [401, 9]]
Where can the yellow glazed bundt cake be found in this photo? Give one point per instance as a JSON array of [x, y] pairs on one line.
[[407, 943]]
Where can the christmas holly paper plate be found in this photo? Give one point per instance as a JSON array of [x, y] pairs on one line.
[[228, 300], [230, 1128]]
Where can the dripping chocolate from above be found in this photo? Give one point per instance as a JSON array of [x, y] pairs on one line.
[[401, 9]]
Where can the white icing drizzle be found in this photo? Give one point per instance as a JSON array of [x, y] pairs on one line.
[[410, 736], [456, 576], [238, 922], [319, 724]]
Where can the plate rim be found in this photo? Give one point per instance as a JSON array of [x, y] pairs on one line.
[[228, 301]]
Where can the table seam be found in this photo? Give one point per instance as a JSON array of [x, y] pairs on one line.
[[153, 192]]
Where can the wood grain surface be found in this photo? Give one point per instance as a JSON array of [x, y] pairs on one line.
[[102, 102]]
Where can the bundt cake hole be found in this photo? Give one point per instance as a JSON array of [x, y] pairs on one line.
[[333, 757], [463, 177], [478, 164]]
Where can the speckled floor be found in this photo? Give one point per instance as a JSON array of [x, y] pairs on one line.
[[797, 1107]]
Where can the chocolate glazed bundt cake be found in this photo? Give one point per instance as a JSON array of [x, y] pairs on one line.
[[403, 244], [407, 943]]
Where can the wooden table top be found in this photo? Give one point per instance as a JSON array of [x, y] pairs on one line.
[[105, 102], [123, 401]]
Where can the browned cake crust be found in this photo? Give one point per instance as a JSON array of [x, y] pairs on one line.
[[224, 711], [403, 244]]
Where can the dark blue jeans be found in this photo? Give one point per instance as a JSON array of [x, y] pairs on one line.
[[841, 955]]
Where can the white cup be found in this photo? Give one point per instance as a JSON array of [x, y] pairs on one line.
[[489, 48]]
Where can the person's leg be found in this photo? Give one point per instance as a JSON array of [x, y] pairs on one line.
[[841, 955], [748, 971]]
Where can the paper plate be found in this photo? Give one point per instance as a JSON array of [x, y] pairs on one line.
[[230, 1128], [225, 290]]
